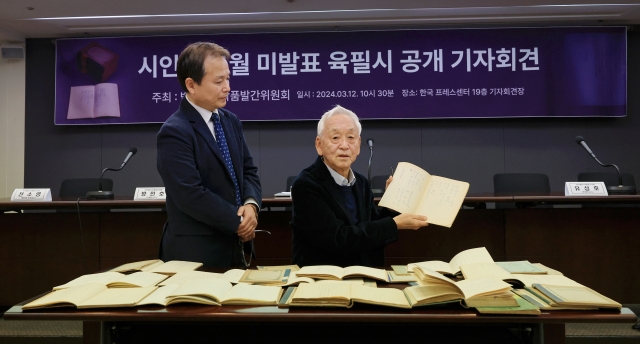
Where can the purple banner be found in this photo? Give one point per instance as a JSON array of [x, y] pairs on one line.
[[462, 73]]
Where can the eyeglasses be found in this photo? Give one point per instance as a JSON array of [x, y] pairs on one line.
[[242, 254]]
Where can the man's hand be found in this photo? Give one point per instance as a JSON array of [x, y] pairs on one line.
[[410, 221], [389, 180], [246, 229]]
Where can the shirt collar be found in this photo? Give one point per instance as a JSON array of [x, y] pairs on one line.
[[339, 179], [206, 114]]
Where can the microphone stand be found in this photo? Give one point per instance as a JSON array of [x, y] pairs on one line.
[[620, 189], [102, 194], [369, 169]]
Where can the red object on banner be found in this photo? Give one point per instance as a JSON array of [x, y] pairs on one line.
[[97, 61]]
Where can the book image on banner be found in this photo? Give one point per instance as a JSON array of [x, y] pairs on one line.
[[101, 100], [413, 190]]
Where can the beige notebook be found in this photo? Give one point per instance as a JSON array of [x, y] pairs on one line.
[[505, 299], [430, 295], [345, 294], [101, 278], [118, 297], [144, 265], [93, 295], [490, 270], [576, 296], [470, 256], [467, 288], [414, 190], [232, 276], [219, 292], [560, 280], [174, 266], [112, 279], [293, 267], [159, 296], [266, 277], [395, 278], [522, 267], [338, 273], [137, 280]]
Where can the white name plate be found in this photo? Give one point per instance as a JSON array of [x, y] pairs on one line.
[[585, 189], [149, 194], [31, 195]]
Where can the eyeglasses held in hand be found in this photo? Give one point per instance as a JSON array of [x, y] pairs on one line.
[[242, 255]]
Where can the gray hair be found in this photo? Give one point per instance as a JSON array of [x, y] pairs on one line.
[[338, 110]]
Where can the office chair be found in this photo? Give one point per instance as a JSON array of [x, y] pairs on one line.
[[377, 185], [520, 184], [78, 187], [290, 180], [609, 179]]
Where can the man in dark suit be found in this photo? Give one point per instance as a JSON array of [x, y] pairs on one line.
[[335, 221], [213, 190]]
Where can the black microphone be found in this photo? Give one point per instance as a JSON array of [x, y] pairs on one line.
[[580, 141], [132, 152], [370, 143], [109, 194], [614, 190]]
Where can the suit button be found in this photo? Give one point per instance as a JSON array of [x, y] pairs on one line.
[[232, 194]]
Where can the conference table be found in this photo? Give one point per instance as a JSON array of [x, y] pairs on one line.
[[191, 323], [44, 244]]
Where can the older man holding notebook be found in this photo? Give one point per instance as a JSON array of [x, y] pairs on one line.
[[335, 221]]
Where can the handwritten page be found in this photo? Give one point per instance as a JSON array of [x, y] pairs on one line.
[[118, 297], [213, 288], [379, 296], [81, 100], [326, 291], [107, 102], [90, 101], [414, 190], [405, 191], [470, 256], [484, 286], [242, 294], [322, 271], [485, 270], [442, 200]]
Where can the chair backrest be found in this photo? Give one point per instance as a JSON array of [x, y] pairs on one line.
[[79, 187], [609, 178], [377, 185], [290, 180], [521, 183]]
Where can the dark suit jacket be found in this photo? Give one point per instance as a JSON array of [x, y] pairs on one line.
[[201, 205], [323, 234]]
